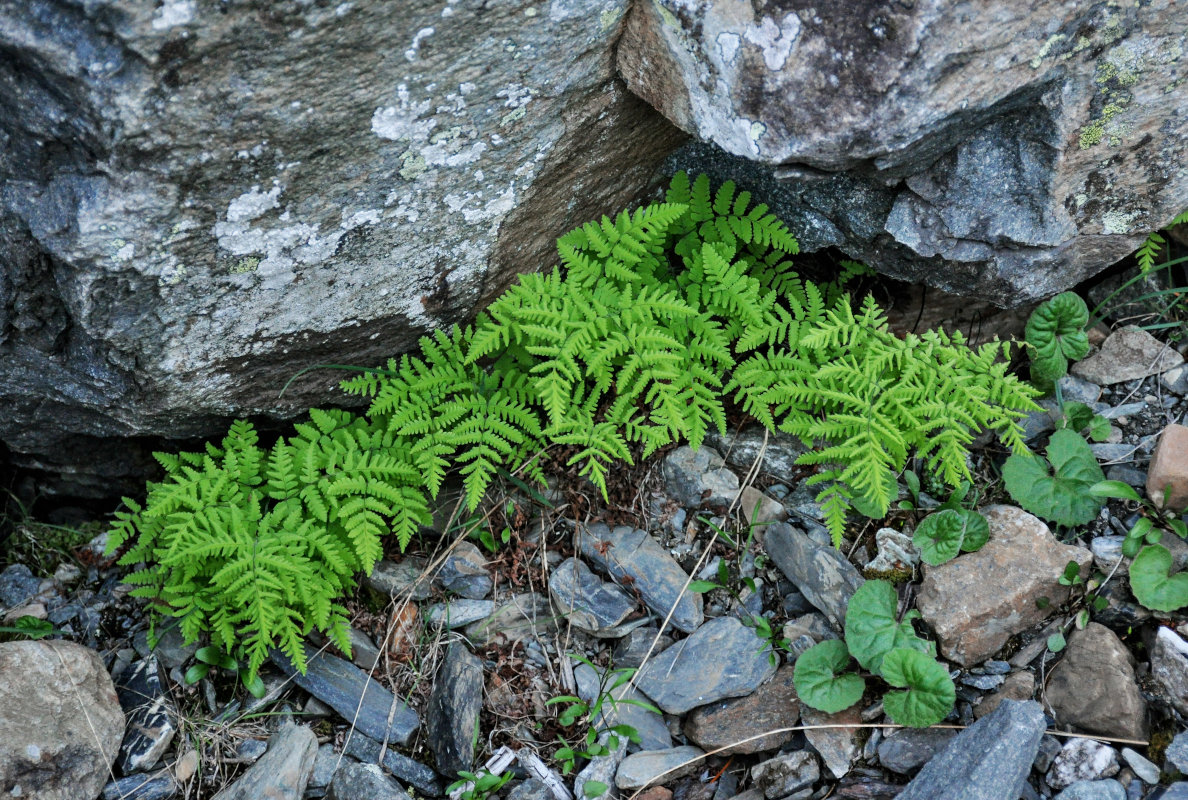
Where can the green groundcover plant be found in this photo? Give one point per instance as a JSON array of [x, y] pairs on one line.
[[651, 323]]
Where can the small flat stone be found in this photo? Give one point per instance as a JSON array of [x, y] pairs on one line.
[[159, 785], [602, 769], [1094, 686], [250, 750], [18, 586], [1082, 760], [987, 683], [150, 716], [631, 555], [1093, 790], [653, 733], [1107, 453], [326, 763], [896, 553], [779, 451], [405, 769], [907, 750], [838, 747], [1016, 686], [364, 782], [786, 774], [1077, 390], [1169, 468], [171, 650], [459, 613], [282, 772], [353, 694], [684, 470], [631, 649], [453, 710], [723, 658], [405, 579], [979, 600], [364, 654], [1146, 771], [820, 572], [1177, 752], [638, 770], [1107, 554], [1128, 354], [464, 572], [1175, 380], [531, 789], [759, 510], [774, 705], [989, 760], [525, 616], [591, 604]]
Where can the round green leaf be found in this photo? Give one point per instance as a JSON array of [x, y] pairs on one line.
[[871, 628], [930, 692], [820, 681], [977, 530], [1057, 642], [938, 537], [1151, 583]]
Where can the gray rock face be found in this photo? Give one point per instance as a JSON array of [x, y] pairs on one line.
[[722, 659], [1094, 687], [198, 201], [905, 750], [989, 760], [60, 721], [364, 782], [411, 772], [1169, 668], [353, 694], [453, 711], [631, 554], [726, 723], [821, 573], [990, 149], [1093, 790], [653, 733], [282, 772], [786, 774], [591, 604]]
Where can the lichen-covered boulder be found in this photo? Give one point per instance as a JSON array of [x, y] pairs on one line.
[[1004, 149], [198, 198]]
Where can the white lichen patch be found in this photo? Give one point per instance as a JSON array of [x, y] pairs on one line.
[[728, 44], [125, 252], [253, 204], [403, 120], [411, 53], [774, 40], [1119, 222], [477, 208], [173, 13]]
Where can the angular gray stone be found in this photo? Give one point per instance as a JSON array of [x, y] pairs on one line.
[[684, 470], [951, 144], [283, 772], [464, 572], [821, 573], [631, 555], [640, 769], [158, 785], [771, 707], [531, 789], [326, 763], [1169, 668], [1094, 686], [631, 649], [459, 613], [906, 750], [602, 769], [979, 600], [18, 585], [364, 782], [524, 616], [166, 159], [1093, 790], [1177, 752], [171, 649], [405, 769], [1142, 767], [1127, 354], [402, 579], [989, 760], [1082, 760], [653, 733], [60, 721], [150, 716], [588, 602], [721, 659], [453, 710], [742, 448], [838, 746], [786, 774], [353, 694]]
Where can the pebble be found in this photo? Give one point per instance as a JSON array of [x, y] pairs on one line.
[[150, 717], [639, 769], [411, 772], [1128, 354], [837, 746], [1113, 453], [1082, 760], [1146, 771], [464, 572], [589, 603], [1016, 686], [684, 471], [1094, 686], [1169, 668], [601, 769], [524, 616], [404, 579], [458, 613], [356, 781], [908, 749], [786, 774], [17, 586]]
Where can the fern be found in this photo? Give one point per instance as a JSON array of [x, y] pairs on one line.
[[1149, 251], [651, 320]]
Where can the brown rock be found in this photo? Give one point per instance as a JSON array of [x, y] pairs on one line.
[[772, 706], [404, 632], [1128, 353], [1169, 467], [1017, 686], [1094, 686], [655, 793], [60, 721], [977, 601]]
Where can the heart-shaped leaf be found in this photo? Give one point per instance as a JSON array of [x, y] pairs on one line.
[[1062, 494], [941, 536], [1151, 583], [930, 692], [820, 679], [977, 530], [1057, 332], [871, 628]]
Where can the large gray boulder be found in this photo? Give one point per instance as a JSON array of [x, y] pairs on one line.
[[198, 198], [1003, 149]]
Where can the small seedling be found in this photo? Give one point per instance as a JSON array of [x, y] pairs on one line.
[[1151, 580], [30, 627], [209, 657], [478, 786]]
